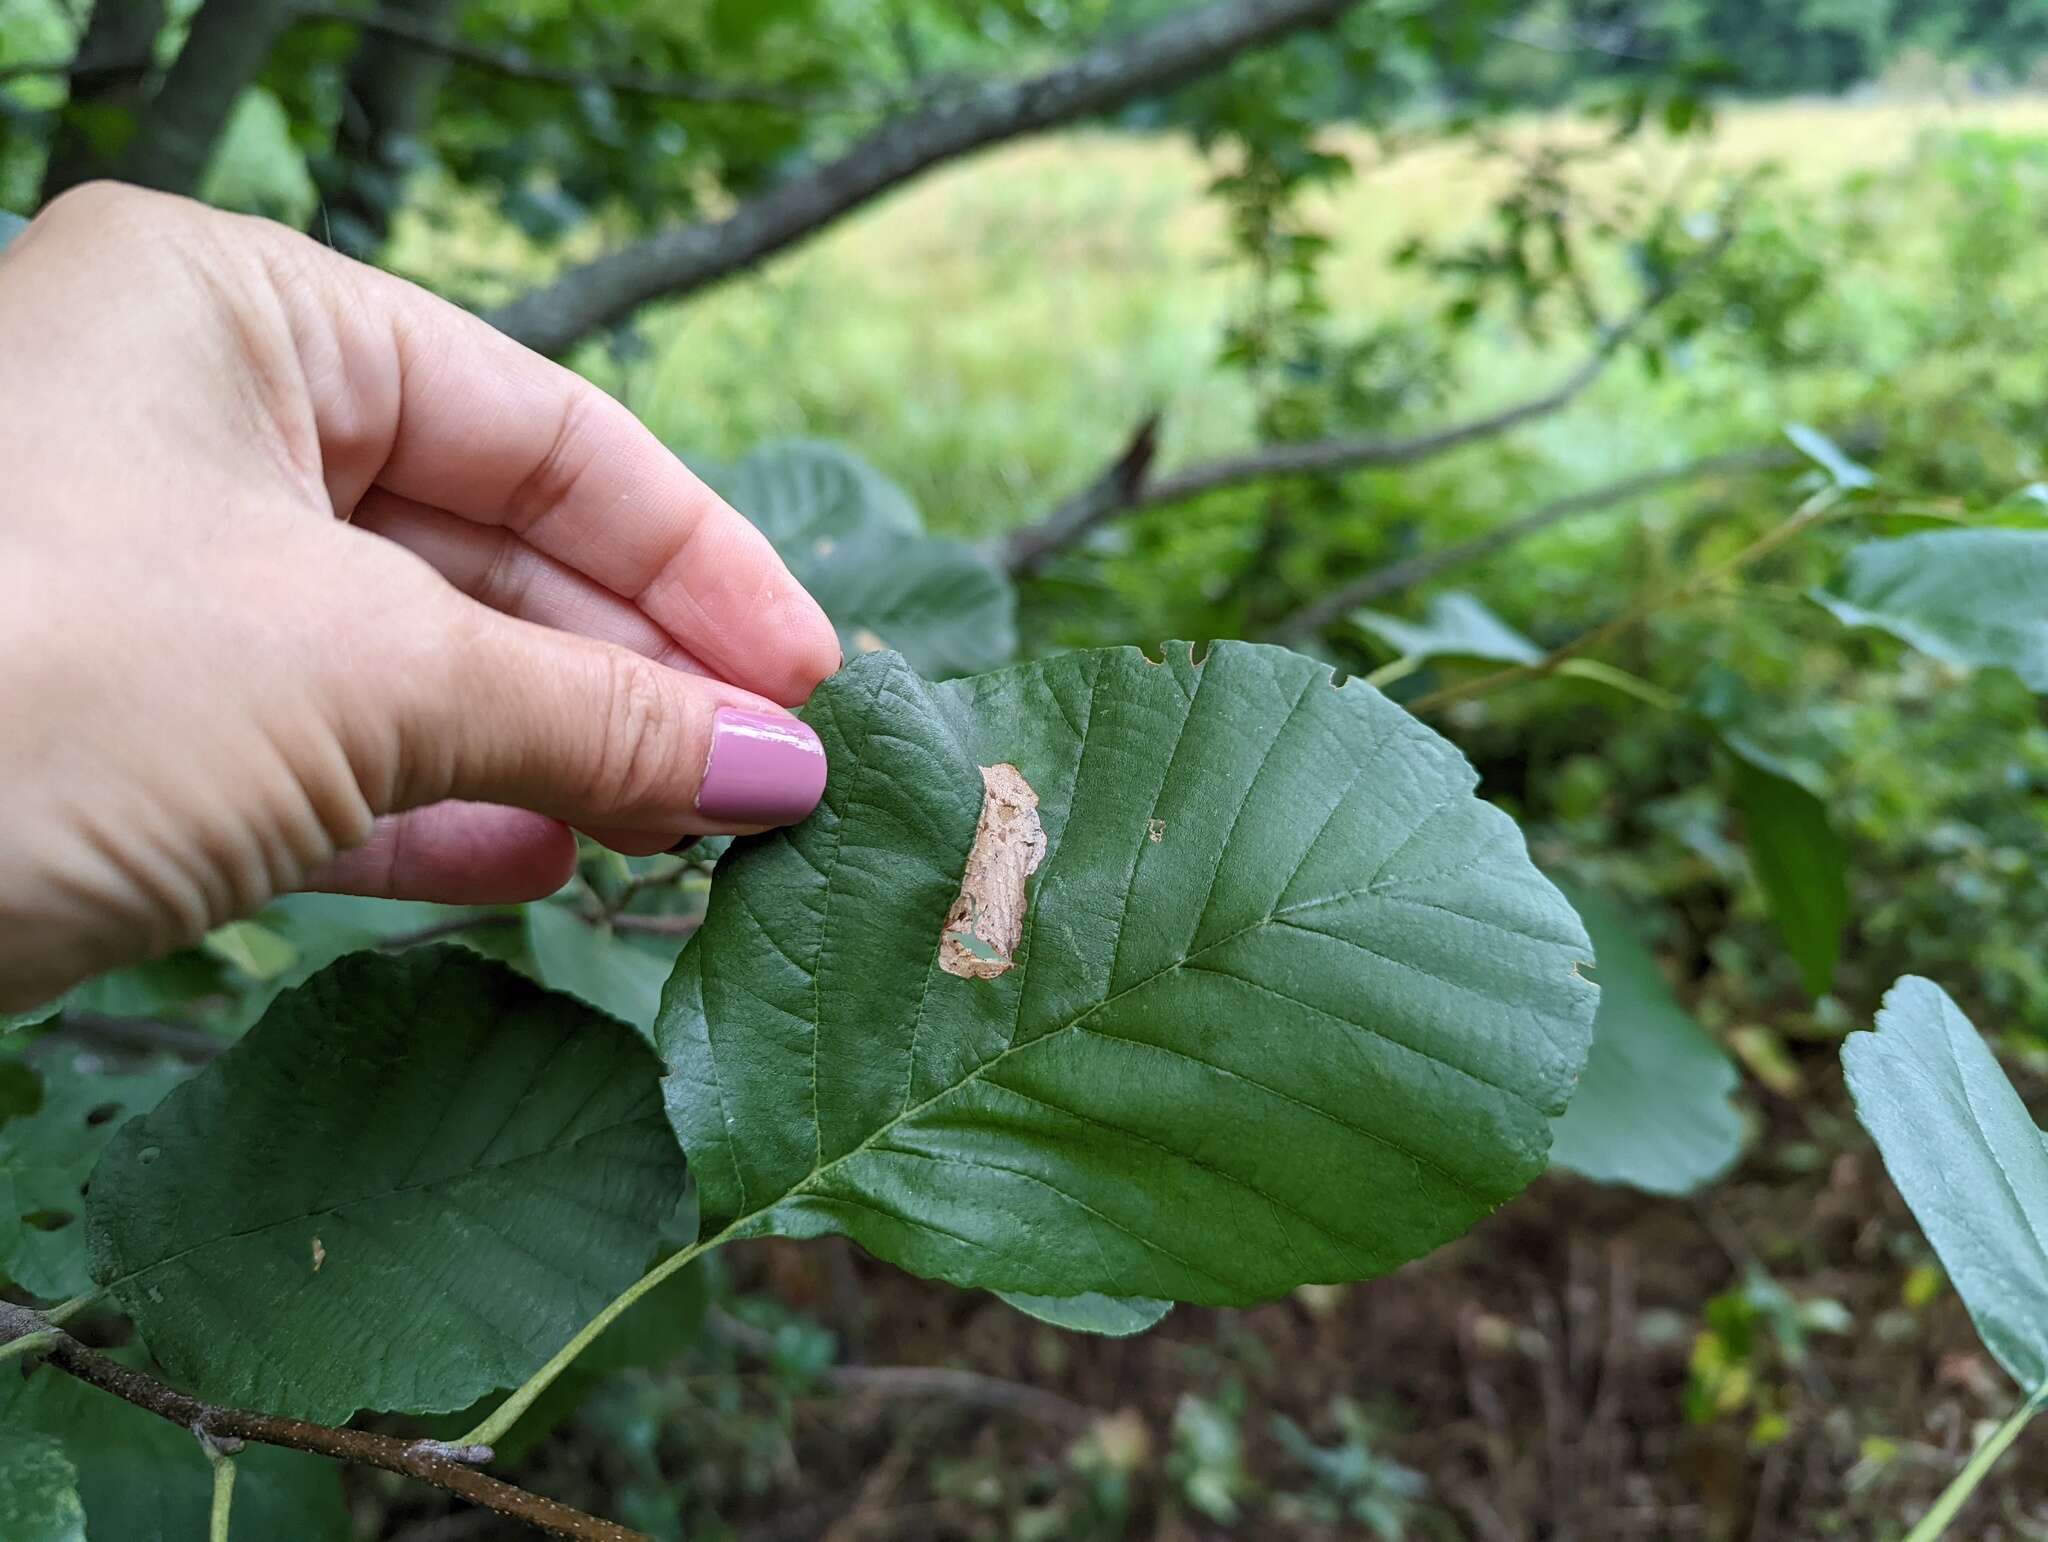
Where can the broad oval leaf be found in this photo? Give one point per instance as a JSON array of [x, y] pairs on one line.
[[1112, 1317], [1975, 598], [409, 1184], [798, 488], [1967, 1159], [145, 1479], [594, 964], [46, 1156], [1456, 626], [38, 1490], [856, 542], [1652, 1110], [1282, 1002]]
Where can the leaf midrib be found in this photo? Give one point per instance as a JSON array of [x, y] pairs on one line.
[[807, 1185], [381, 1195]]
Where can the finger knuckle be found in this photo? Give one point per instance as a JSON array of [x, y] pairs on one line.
[[644, 737]]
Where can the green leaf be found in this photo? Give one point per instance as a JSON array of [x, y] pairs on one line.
[[1801, 864], [1974, 598], [856, 542], [807, 487], [1289, 1003], [143, 1479], [38, 1491], [1652, 1110], [409, 1184], [1968, 1160], [1824, 452], [595, 964], [1115, 1317], [1456, 626], [256, 951], [47, 1155]]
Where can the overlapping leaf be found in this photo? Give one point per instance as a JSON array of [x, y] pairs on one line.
[[46, 1155], [1976, 598], [857, 543], [1289, 1003], [144, 1479], [1652, 1110], [407, 1186], [1114, 1317], [1456, 626]]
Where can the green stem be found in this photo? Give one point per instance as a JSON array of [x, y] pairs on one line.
[[28, 1344], [223, 1494], [1620, 680], [507, 1413], [64, 1311], [1399, 669], [1958, 1493]]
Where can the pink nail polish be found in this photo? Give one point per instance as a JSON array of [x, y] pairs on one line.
[[763, 770]]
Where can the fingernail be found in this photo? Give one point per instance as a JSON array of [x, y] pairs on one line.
[[763, 770]]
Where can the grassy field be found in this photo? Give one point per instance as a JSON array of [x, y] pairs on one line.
[[990, 335]]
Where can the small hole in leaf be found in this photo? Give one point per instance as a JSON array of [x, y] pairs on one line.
[[49, 1220], [101, 1114]]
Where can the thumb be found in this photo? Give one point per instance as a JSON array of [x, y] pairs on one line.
[[597, 735]]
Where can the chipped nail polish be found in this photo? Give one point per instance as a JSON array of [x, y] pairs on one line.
[[763, 770]]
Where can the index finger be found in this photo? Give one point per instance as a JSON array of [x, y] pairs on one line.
[[474, 423]]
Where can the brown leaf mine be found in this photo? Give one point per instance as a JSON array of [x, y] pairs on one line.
[[986, 921]]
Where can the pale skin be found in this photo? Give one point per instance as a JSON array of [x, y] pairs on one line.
[[310, 580]]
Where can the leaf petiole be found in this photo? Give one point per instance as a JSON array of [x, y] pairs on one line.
[[1964, 1484], [223, 1493], [494, 1429]]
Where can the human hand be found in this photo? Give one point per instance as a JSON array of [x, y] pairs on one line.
[[309, 579]]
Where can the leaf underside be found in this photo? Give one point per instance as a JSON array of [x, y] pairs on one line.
[[1290, 1004], [1653, 1109], [1974, 598], [409, 1185], [857, 543], [1968, 1160]]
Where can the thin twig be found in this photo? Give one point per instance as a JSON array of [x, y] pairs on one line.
[[973, 1388], [454, 928], [1409, 572], [656, 926], [1147, 62], [1113, 495], [144, 1034], [446, 1467], [1807, 514]]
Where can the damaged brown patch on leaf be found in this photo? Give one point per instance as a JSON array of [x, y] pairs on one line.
[[1155, 831], [986, 921]]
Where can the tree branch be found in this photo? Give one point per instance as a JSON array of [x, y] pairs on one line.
[[1027, 550], [226, 1428], [1111, 496], [675, 262], [515, 64], [1411, 571]]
